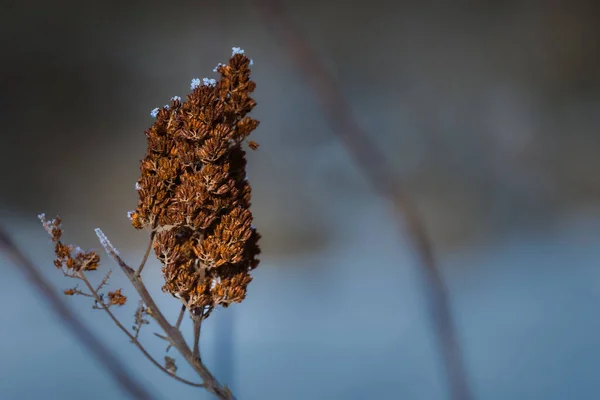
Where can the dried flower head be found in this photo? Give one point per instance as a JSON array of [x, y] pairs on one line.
[[68, 258], [116, 298], [194, 193]]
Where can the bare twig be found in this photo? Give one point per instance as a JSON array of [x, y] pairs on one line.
[[374, 165], [146, 253], [104, 281], [180, 318], [139, 320], [177, 325], [75, 291], [174, 334], [197, 324], [86, 336]]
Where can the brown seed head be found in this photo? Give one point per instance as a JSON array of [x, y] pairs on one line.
[[193, 190]]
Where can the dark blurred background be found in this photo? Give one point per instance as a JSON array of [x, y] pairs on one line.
[[489, 112]]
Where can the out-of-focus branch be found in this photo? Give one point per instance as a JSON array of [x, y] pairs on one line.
[[87, 338], [374, 165]]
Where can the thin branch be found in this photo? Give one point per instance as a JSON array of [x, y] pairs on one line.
[[104, 281], [134, 340], [197, 325], [180, 318], [375, 166], [210, 382], [75, 291], [86, 336], [147, 253], [177, 325], [139, 319]]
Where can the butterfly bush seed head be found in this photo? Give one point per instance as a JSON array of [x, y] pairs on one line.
[[194, 192]]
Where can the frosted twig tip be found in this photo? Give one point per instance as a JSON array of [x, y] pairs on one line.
[[108, 247]]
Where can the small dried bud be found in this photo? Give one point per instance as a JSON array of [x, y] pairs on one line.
[[170, 364], [116, 298]]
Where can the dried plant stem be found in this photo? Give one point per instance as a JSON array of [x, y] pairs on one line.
[[146, 253], [180, 317], [197, 325], [173, 333], [372, 162], [87, 337], [101, 305]]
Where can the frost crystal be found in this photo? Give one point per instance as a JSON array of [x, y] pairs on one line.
[[251, 62], [214, 282], [209, 82], [217, 67], [48, 225], [236, 50], [175, 98], [166, 106], [137, 186], [130, 215], [195, 83], [110, 249], [154, 112]]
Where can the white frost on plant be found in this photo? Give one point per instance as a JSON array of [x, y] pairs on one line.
[[130, 215], [208, 82], [215, 69], [175, 98], [48, 225], [214, 282], [251, 61], [167, 106], [108, 247], [195, 83], [154, 112], [236, 50], [138, 186]]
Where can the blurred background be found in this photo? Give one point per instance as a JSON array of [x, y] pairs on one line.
[[489, 112]]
